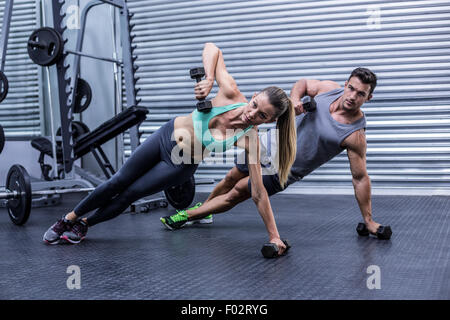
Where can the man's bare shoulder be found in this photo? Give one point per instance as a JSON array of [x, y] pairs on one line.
[[327, 85], [356, 141]]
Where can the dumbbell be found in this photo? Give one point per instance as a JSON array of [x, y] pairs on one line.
[[197, 74], [270, 250], [309, 104], [383, 232]]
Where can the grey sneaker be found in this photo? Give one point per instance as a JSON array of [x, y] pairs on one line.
[[205, 220], [54, 233], [77, 233]]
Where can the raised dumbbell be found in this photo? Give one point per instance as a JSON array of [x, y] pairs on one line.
[[270, 250], [309, 104], [197, 74], [383, 232]]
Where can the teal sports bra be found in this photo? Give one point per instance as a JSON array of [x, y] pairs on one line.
[[201, 128]]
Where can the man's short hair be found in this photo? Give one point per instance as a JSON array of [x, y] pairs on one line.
[[366, 76]]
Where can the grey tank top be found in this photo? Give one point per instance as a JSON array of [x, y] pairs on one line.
[[319, 136]]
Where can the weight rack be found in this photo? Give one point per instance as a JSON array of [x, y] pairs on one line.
[[67, 98]]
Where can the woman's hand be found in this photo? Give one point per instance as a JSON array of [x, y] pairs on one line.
[[203, 88]]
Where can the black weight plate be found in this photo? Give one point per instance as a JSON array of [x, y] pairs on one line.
[[2, 139], [45, 46], [78, 129], [18, 180], [4, 86], [181, 196], [83, 96]]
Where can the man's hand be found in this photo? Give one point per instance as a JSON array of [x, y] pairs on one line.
[[298, 106], [203, 88], [372, 226], [280, 244]]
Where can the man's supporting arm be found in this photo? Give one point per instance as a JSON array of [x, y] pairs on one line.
[[356, 151]]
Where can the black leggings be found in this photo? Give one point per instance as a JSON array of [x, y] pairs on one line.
[[149, 170]]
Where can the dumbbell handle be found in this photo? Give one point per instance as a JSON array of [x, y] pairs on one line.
[[198, 79]]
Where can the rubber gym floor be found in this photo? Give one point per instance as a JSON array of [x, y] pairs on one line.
[[135, 257]]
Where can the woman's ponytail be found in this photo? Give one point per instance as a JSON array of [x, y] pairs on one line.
[[286, 132]]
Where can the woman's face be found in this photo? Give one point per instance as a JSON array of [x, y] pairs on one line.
[[258, 110]]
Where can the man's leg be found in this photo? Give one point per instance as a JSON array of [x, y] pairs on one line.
[[226, 184], [223, 202], [240, 192]]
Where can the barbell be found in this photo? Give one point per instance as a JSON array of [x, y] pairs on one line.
[[18, 194]]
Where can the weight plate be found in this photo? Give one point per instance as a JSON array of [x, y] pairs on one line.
[[4, 86], [181, 196], [18, 180], [78, 129], [2, 139], [83, 96], [45, 46]]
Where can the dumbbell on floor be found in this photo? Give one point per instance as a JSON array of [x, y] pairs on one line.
[[383, 232], [270, 250], [197, 74]]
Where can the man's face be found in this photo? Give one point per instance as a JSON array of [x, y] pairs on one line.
[[356, 93]]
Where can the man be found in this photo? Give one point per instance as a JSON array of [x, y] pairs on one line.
[[337, 124]]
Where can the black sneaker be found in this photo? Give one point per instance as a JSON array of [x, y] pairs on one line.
[[77, 233], [53, 234], [175, 221]]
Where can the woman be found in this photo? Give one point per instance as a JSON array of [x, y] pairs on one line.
[[171, 155]]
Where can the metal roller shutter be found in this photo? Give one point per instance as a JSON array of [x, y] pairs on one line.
[[406, 43], [19, 112]]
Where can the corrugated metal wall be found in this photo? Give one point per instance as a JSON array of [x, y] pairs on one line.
[[19, 112], [406, 43]]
